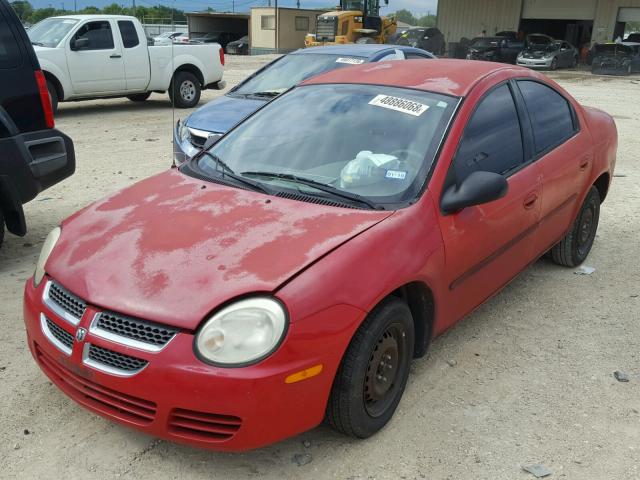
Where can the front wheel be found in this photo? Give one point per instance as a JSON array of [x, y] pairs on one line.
[[554, 64], [185, 90], [574, 248], [373, 374]]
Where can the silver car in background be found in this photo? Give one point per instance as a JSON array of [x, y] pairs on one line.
[[544, 52]]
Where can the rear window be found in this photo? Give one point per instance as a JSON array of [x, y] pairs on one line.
[[129, 34], [10, 56]]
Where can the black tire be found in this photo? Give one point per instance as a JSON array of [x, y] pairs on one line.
[[185, 90], [53, 95], [574, 62], [554, 63], [1, 227], [139, 97], [574, 248], [362, 399]]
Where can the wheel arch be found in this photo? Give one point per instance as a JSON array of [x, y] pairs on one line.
[[189, 67], [602, 184], [56, 83], [420, 300]]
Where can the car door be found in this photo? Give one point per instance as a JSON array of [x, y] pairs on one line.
[[135, 54], [487, 245], [564, 157], [96, 67]]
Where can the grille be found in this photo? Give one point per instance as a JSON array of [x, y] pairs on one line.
[[60, 334], [97, 397], [207, 427], [116, 360], [139, 330], [66, 300], [326, 28], [197, 140], [312, 199]]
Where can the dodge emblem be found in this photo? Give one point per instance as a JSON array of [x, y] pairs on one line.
[[80, 334]]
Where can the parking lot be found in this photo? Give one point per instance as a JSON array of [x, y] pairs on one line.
[[528, 378]]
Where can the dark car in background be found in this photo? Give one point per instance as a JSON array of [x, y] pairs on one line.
[[429, 39], [222, 38], [33, 155], [633, 38], [238, 47], [616, 58], [495, 49], [218, 116]]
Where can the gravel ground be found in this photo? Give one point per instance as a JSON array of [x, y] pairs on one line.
[[528, 378]]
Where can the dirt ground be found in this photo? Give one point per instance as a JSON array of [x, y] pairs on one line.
[[526, 379]]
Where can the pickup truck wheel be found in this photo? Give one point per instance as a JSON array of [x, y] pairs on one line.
[[53, 95], [576, 245], [374, 371], [185, 90], [139, 97]]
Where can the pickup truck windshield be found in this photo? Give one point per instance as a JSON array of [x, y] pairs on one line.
[[366, 141], [291, 70], [51, 31]]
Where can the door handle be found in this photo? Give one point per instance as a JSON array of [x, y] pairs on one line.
[[530, 200], [115, 55]]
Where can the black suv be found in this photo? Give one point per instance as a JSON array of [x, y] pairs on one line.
[[33, 155]]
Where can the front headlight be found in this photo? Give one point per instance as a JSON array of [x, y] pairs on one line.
[[183, 131], [47, 248], [242, 333]]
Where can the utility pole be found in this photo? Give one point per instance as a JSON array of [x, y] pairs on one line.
[[75, 5], [276, 19], [134, 7]]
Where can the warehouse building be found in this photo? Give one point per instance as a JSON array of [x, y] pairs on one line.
[[577, 21]]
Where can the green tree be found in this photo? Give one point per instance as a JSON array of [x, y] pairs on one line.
[[406, 16], [23, 9], [427, 21]]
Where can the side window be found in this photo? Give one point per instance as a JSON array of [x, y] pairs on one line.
[[415, 56], [395, 55], [345, 27], [492, 140], [9, 52], [98, 33], [129, 34], [550, 114]]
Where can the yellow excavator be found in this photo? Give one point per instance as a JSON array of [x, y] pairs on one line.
[[357, 21]]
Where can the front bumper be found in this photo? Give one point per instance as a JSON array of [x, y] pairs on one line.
[[177, 397], [544, 63], [187, 147]]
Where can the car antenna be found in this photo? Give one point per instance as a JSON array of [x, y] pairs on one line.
[[172, 90]]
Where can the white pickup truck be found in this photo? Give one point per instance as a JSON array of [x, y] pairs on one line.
[[99, 56]]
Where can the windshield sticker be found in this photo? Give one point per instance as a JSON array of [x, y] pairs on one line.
[[399, 104], [396, 174], [350, 60], [442, 104]]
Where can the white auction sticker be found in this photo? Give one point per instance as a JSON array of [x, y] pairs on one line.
[[399, 104], [350, 61]]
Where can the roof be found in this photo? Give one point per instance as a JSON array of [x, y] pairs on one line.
[[93, 16], [355, 49], [450, 77]]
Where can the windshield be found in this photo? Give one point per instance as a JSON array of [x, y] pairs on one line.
[[370, 141], [291, 70], [51, 31]]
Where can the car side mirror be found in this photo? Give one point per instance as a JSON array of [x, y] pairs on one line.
[[476, 189], [79, 43]]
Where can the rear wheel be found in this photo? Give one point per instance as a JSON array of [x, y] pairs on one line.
[[53, 95], [185, 90], [373, 374], [574, 248], [139, 97]]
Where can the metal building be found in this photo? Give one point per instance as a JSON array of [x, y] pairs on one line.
[[576, 21]]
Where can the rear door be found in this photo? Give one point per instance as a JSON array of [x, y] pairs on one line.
[[135, 54], [564, 155], [487, 245], [98, 67]]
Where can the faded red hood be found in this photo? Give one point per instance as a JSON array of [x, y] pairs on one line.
[[172, 248]]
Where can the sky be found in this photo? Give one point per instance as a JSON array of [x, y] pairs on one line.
[[418, 7]]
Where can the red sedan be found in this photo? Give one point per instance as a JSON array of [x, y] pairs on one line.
[[291, 273]]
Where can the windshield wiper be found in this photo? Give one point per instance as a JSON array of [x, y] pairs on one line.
[[318, 186], [267, 94], [227, 171]]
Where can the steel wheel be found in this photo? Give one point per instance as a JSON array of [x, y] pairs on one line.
[[380, 385], [187, 91]]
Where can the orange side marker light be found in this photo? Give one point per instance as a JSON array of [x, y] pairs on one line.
[[304, 374]]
